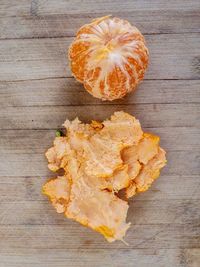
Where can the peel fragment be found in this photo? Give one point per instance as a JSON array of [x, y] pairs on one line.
[[58, 191], [99, 160]]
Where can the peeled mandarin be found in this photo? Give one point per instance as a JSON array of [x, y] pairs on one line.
[[109, 57]]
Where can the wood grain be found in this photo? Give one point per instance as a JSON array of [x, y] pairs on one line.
[[37, 93], [110, 258], [43, 7], [100, 257], [75, 236], [65, 25], [54, 92], [48, 117], [24, 59]]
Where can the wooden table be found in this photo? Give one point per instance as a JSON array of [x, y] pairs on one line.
[[38, 93]]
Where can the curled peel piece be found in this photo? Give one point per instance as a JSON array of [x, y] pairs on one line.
[[124, 128], [98, 209], [100, 160], [150, 171], [58, 191], [151, 159]]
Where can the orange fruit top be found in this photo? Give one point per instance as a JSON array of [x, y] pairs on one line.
[[109, 57]]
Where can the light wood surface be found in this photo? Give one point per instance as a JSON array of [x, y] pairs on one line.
[[37, 93]]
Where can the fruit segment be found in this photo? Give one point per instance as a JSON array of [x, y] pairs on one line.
[[99, 161]]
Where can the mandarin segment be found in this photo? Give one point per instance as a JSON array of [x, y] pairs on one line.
[[109, 57], [101, 160]]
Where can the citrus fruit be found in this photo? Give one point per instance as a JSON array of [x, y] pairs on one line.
[[109, 57]]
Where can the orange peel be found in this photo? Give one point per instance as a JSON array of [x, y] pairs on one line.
[[100, 160]]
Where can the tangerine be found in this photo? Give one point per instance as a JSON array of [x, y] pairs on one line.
[[109, 57]]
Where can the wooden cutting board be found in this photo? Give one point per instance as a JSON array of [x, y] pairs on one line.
[[38, 93]]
